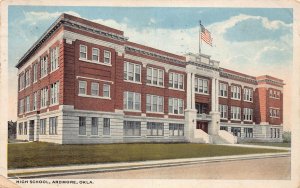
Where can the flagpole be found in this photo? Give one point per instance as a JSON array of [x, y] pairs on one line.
[[199, 37]]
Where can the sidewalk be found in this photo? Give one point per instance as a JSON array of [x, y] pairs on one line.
[[109, 167], [257, 146]]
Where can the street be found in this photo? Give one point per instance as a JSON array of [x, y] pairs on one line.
[[278, 168]]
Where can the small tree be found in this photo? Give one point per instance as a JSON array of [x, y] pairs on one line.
[[12, 129], [286, 136]]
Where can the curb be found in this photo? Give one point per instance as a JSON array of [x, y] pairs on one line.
[[153, 164]]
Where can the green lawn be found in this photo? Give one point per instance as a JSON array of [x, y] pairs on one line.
[[37, 154], [276, 144]]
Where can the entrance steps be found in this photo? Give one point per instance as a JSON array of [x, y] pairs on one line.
[[224, 137]]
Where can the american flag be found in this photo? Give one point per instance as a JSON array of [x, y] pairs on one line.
[[205, 35]]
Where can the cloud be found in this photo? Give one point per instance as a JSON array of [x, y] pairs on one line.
[[33, 17]]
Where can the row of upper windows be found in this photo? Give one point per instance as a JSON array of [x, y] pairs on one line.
[[95, 89], [235, 92], [274, 94], [25, 104], [83, 55], [235, 113], [25, 79]]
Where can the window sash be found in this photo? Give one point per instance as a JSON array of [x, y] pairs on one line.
[[132, 72], [95, 89], [95, 54], [94, 129], [52, 125], [106, 90], [83, 52], [132, 128], [106, 126], [132, 101], [82, 125], [175, 106], [107, 57], [82, 87], [155, 129]]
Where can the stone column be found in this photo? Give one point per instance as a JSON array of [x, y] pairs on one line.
[[214, 124], [193, 90], [213, 95], [188, 91], [217, 95]]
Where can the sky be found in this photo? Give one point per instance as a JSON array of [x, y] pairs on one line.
[[255, 41]]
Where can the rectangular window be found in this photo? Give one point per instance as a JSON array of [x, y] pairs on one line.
[[176, 129], [94, 126], [132, 128], [236, 131], [106, 126], [235, 113], [248, 132], [155, 76], [21, 106], [95, 55], [34, 101], [223, 128], [223, 109], [176, 80], [83, 52], [82, 87], [223, 90], [27, 109], [53, 125], [42, 126], [274, 112], [25, 128], [175, 106], [155, 129], [44, 66], [27, 78], [132, 101], [20, 130], [107, 57], [235, 92], [54, 93], [154, 103], [201, 85], [132, 72], [106, 90], [35, 72], [82, 125], [248, 114], [95, 89], [21, 81], [44, 97], [248, 94], [54, 58]]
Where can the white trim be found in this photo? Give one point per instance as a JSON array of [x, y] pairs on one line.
[[89, 78], [152, 62], [270, 86], [176, 89], [95, 62], [147, 84], [92, 96], [129, 81], [176, 114], [243, 84], [128, 110]]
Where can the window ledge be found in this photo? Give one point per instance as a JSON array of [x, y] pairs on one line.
[[201, 93], [149, 112], [153, 85], [235, 99], [235, 119], [224, 97], [129, 81], [92, 96], [248, 101], [132, 136], [176, 114], [128, 110], [44, 76], [52, 71], [96, 62], [176, 89]]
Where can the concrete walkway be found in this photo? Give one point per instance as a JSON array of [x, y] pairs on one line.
[[109, 167], [257, 146]]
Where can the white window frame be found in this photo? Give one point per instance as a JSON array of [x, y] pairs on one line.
[[44, 97], [151, 101], [44, 66], [155, 129], [106, 127], [106, 89], [274, 112], [223, 109], [135, 73], [235, 113], [43, 126], [174, 104], [81, 46], [97, 54], [82, 122], [54, 54], [174, 81], [27, 78], [35, 68], [107, 55], [248, 114], [34, 106], [133, 127], [125, 102], [95, 88], [176, 129], [201, 89], [248, 94], [21, 81], [159, 77], [223, 90], [94, 126], [21, 106], [54, 93], [27, 106], [235, 92], [85, 87], [53, 125]]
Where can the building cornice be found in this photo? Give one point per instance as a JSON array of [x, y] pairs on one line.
[[237, 77], [153, 54]]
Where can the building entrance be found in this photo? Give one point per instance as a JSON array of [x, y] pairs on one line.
[[202, 125]]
